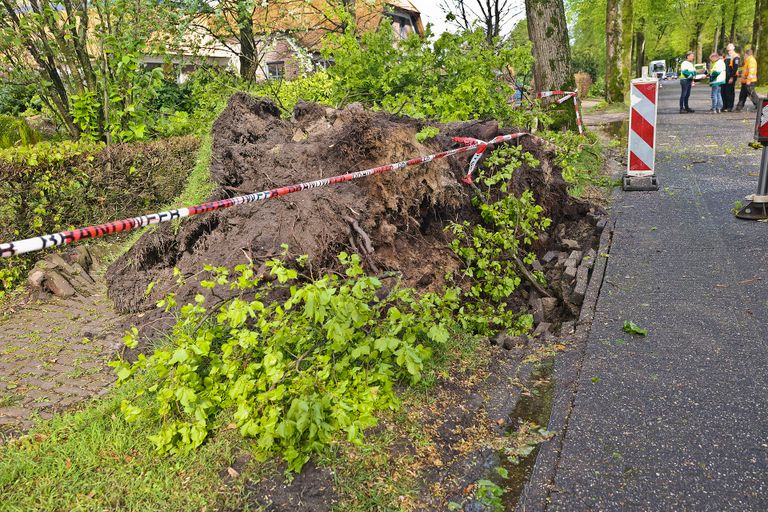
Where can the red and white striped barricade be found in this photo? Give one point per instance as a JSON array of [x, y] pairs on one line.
[[641, 150], [757, 207]]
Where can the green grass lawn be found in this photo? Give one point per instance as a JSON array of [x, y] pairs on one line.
[[92, 459]]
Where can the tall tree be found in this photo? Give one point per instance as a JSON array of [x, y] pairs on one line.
[[732, 36], [722, 38], [757, 24], [548, 31], [762, 45], [638, 49], [618, 49]]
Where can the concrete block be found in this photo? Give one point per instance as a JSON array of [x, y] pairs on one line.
[[570, 244], [549, 257]]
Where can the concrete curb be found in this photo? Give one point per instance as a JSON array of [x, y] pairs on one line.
[[535, 496]]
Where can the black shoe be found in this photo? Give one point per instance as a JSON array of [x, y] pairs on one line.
[[727, 110], [738, 108], [690, 110], [683, 111]]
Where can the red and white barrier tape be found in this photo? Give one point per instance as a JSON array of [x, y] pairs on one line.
[[566, 95], [66, 237]]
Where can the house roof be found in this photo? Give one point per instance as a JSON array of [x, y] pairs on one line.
[[309, 21]]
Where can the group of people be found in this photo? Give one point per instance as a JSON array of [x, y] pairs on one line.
[[726, 71]]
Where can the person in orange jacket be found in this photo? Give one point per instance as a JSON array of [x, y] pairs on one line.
[[748, 78]]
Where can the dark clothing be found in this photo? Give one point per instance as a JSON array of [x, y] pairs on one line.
[[729, 95], [685, 93], [748, 90], [732, 65]]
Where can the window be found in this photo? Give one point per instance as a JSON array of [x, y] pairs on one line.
[[276, 69], [318, 62], [402, 23]]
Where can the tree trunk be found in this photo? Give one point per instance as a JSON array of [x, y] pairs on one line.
[[627, 34], [247, 47], [696, 41], [617, 49], [716, 39], [761, 52], [732, 37], [756, 25], [548, 31], [639, 52], [721, 39]]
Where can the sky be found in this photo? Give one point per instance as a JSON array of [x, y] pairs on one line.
[[431, 13]]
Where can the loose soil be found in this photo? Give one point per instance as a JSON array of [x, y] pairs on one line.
[[402, 216], [401, 213]]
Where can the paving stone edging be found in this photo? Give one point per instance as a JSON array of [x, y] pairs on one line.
[[566, 374]]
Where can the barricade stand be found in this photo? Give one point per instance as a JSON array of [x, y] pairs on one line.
[[641, 150], [757, 207]]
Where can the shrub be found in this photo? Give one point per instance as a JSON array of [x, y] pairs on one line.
[[455, 78], [14, 99], [290, 373], [50, 187], [495, 249]]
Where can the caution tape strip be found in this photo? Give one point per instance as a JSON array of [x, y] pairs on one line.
[[566, 95], [67, 237]]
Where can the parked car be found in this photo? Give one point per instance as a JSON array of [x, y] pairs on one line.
[[671, 75]]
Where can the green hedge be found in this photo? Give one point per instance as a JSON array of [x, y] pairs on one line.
[[50, 187]]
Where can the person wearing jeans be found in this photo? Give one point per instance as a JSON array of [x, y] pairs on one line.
[[687, 73], [716, 81], [748, 77]]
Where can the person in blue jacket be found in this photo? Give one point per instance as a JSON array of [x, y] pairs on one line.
[[687, 72]]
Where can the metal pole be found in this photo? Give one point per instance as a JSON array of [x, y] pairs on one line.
[[762, 182]]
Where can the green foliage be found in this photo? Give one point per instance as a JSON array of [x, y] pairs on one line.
[[15, 99], [51, 186], [455, 78], [580, 159], [316, 87], [289, 373], [632, 328], [15, 131], [209, 91], [494, 249], [426, 133], [489, 494]]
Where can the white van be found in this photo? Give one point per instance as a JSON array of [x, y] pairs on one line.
[[657, 69]]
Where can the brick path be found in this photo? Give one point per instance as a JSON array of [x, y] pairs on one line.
[[53, 354]]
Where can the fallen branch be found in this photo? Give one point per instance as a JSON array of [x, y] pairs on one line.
[[530, 278]]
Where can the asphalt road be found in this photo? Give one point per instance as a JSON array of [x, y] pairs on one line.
[[678, 420]]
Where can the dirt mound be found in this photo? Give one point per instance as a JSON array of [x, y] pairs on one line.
[[396, 219]]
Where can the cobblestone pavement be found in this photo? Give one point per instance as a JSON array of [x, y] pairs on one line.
[[53, 354]]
